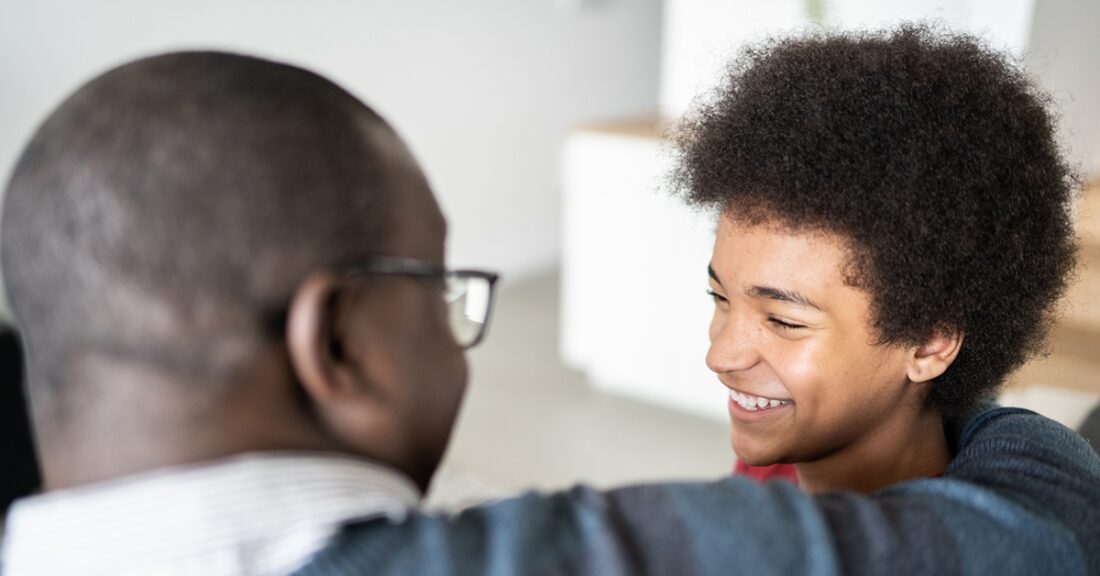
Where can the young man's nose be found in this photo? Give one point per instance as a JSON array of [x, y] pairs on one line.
[[733, 344]]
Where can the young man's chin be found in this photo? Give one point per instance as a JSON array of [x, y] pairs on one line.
[[753, 454]]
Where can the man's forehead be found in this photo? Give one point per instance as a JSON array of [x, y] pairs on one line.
[[418, 228], [417, 225]]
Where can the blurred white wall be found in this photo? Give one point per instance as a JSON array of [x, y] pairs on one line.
[[700, 36], [484, 90], [1064, 54]]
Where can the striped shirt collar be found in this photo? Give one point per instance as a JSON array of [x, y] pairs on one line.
[[249, 515]]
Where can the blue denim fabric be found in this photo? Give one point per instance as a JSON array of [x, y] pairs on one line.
[[1021, 496]]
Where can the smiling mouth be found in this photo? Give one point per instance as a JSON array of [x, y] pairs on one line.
[[754, 403]]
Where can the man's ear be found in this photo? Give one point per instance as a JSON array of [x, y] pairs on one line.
[[932, 358], [315, 344], [331, 368]]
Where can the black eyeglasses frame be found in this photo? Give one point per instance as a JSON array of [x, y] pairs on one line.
[[401, 266]]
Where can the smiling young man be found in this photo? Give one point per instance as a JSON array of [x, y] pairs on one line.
[[808, 382], [894, 235]]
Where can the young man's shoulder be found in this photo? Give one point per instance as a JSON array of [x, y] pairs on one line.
[[1019, 497]]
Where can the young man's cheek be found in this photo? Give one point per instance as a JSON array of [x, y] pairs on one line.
[[800, 364]]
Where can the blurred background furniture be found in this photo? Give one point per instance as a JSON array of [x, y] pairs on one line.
[[19, 474]]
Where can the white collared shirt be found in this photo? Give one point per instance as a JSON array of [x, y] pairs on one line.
[[255, 514]]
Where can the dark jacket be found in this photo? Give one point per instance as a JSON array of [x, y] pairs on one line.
[[1021, 496]]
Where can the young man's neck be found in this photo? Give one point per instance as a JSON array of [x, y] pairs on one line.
[[899, 450]]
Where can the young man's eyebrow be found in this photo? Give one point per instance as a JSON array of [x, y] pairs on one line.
[[771, 293], [782, 296]]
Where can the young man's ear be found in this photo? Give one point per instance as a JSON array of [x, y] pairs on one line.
[[316, 344], [932, 358]]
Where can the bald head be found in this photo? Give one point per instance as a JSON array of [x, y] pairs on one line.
[[165, 212]]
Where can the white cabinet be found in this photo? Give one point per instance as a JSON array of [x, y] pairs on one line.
[[634, 305]]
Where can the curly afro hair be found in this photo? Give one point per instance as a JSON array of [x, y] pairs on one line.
[[933, 156]]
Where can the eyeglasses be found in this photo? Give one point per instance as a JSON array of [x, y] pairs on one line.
[[468, 293]]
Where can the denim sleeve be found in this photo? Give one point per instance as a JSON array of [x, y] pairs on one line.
[[1020, 497]]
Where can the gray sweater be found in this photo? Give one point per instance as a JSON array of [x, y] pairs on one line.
[[1021, 496]]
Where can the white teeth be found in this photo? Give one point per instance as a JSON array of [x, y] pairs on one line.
[[754, 403]]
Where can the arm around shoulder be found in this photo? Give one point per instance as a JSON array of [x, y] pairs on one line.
[[1020, 497]]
